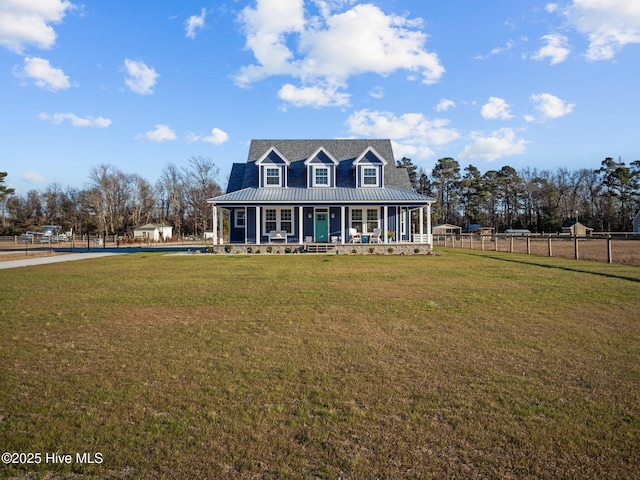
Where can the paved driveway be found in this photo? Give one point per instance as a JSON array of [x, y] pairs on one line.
[[69, 257]]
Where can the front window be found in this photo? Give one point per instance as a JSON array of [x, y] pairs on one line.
[[372, 219], [270, 220], [278, 219], [321, 177], [356, 219], [370, 176], [273, 176], [239, 219]]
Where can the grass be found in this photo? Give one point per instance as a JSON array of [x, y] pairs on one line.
[[467, 364]]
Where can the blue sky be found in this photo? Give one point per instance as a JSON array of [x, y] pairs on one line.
[[140, 84]]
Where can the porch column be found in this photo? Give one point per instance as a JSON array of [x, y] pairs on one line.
[[421, 225], [257, 225], [343, 231], [385, 223], [300, 225], [214, 236], [429, 240], [221, 227]]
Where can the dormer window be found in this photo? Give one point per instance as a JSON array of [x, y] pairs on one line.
[[273, 176], [321, 169], [273, 167], [321, 177], [370, 176], [369, 167]]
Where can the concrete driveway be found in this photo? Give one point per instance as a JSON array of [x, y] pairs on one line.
[[69, 257]]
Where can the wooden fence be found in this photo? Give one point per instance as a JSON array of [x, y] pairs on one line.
[[611, 248]]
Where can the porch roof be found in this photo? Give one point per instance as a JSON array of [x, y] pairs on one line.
[[339, 195]]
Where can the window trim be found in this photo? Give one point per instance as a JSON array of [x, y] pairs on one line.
[[376, 176], [236, 218], [278, 219], [267, 176], [314, 173]]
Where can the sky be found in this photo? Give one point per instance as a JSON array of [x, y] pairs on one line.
[[139, 85]]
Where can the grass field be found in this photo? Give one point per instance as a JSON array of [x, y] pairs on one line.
[[468, 364]]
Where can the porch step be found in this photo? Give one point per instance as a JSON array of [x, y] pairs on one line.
[[320, 248]]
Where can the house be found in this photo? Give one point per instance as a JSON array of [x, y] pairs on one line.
[[478, 229], [320, 191], [636, 224], [153, 231], [446, 229], [575, 229]]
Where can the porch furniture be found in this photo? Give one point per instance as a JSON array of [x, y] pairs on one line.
[[354, 236], [375, 236], [278, 235]]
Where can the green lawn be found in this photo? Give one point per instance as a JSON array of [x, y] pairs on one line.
[[468, 364]]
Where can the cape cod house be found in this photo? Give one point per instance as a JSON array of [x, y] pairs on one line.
[[321, 191]]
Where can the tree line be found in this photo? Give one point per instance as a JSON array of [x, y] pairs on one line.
[[116, 202], [605, 199]]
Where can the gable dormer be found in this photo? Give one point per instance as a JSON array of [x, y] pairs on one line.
[[273, 168], [369, 167], [321, 169]]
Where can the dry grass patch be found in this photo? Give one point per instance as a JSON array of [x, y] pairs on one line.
[[464, 365]]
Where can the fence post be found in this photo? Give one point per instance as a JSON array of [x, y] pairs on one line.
[[511, 244], [495, 241], [549, 242], [528, 245], [575, 248], [470, 243], [482, 242], [609, 257]]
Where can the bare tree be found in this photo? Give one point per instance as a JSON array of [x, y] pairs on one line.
[[200, 179]]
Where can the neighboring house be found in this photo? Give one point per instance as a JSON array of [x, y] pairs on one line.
[[446, 229], [576, 229], [478, 229], [316, 191], [636, 224], [153, 231]]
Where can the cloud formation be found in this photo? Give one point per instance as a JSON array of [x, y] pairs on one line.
[[217, 137], [34, 178], [75, 120], [551, 106], [28, 22], [162, 133], [412, 134], [496, 108], [315, 96], [195, 22], [498, 144], [140, 78], [609, 25], [324, 50], [444, 105], [43, 74], [556, 49]]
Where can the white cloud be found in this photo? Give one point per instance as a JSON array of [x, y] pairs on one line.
[[496, 108], [34, 178], [551, 106], [140, 78], [195, 22], [217, 137], [27, 22], [44, 75], [551, 7], [413, 134], [162, 133], [608, 24], [556, 48], [500, 143], [315, 96], [328, 49], [510, 44], [76, 121], [377, 92], [444, 105]]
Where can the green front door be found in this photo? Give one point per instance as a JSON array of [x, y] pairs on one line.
[[322, 227]]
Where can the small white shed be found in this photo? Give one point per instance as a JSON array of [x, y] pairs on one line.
[[153, 231]]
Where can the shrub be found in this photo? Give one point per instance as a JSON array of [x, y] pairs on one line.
[[227, 248], [390, 250], [287, 250], [354, 251], [371, 250], [269, 249], [416, 250], [249, 249]]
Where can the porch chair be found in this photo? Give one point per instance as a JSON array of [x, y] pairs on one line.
[[354, 236], [376, 236]]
